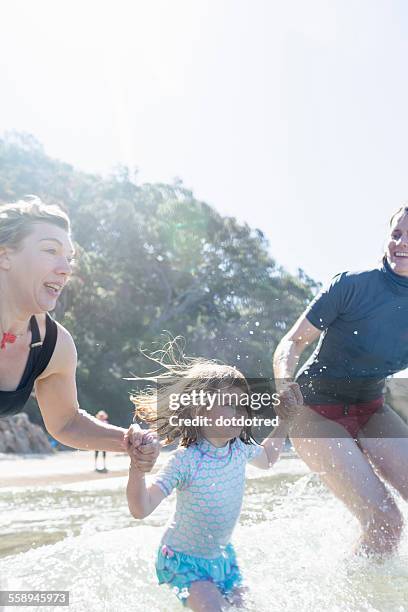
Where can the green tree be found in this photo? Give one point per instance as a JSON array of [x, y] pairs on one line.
[[152, 258]]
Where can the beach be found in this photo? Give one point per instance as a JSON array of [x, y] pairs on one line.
[[60, 468]]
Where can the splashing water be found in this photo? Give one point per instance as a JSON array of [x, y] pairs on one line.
[[293, 540]]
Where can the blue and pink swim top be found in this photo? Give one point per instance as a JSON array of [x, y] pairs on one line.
[[210, 485]]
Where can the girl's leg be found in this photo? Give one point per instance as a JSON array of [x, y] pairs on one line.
[[327, 449], [238, 597], [96, 458], [104, 459], [389, 452], [205, 597]]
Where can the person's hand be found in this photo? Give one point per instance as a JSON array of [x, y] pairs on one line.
[[143, 447], [133, 438], [291, 401]]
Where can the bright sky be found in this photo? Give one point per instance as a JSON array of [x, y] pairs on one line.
[[290, 114]]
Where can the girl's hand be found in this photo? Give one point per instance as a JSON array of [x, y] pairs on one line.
[[143, 447], [133, 438], [291, 401]]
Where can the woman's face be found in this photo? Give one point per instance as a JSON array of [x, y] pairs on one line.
[[38, 271], [397, 249]]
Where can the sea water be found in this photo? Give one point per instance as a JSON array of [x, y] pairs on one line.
[[294, 542]]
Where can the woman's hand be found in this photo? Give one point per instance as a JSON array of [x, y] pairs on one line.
[[143, 447], [291, 401]]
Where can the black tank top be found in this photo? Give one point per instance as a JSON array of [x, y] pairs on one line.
[[39, 357]]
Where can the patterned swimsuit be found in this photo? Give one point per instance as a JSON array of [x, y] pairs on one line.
[[210, 485]]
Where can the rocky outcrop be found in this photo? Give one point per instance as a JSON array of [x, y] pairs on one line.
[[19, 435]]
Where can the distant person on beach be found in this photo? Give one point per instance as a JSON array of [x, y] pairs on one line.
[[196, 557], [36, 253], [102, 416], [345, 432]]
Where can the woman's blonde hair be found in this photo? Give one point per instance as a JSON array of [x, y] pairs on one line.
[[183, 375], [17, 220]]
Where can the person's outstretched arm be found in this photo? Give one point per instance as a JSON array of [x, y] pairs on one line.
[[57, 398], [285, 361], [291, 347], [272, 447], [275, 442], [290, 403], [142, 499]]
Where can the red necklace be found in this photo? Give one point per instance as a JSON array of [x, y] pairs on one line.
[[7, 337]]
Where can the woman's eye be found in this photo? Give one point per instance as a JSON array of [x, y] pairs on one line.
[[396, 235], [52, 251]]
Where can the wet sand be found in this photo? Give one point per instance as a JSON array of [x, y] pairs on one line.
[[65, 467], [60, 468]]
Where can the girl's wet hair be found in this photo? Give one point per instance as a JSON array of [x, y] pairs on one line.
[[183, 375], [17, 220]]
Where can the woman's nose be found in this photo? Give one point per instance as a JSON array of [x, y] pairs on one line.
[[404, 239], [64, 267]]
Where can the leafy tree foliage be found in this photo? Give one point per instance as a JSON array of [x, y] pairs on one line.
[[152, 258]]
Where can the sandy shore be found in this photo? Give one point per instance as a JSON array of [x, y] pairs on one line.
[[64, 467], [59, 468]]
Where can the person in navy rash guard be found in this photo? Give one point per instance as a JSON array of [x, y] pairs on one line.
[[346, 432]]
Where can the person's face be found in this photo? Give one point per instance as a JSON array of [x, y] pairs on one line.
[[397, 249], [40, 268], [226, 409]]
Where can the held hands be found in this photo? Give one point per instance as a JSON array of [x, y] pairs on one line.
[[291, 401], [143, 447]]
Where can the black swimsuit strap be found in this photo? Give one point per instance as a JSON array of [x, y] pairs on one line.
[[38, 358], [35, 332], [43, 352], [35, 337]]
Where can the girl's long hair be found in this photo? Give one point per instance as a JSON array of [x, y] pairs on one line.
[[183, 374]]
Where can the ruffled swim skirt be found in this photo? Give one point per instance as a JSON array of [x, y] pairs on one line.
[[180, 570]]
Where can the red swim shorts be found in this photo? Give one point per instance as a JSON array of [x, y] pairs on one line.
[[351, 416]]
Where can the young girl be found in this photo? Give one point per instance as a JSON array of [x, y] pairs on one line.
[[196, 557]]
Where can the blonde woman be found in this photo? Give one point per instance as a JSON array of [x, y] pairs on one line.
[[196, 557], [36, 253]]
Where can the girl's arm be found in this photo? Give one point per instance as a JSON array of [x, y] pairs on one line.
[[272, 446], [142, 499]]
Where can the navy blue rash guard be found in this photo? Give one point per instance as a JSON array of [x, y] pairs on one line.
[[364, 316]]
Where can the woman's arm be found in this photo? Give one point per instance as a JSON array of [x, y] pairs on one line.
[[291, 347], [142, 499], [285, 361], [56, 394]]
